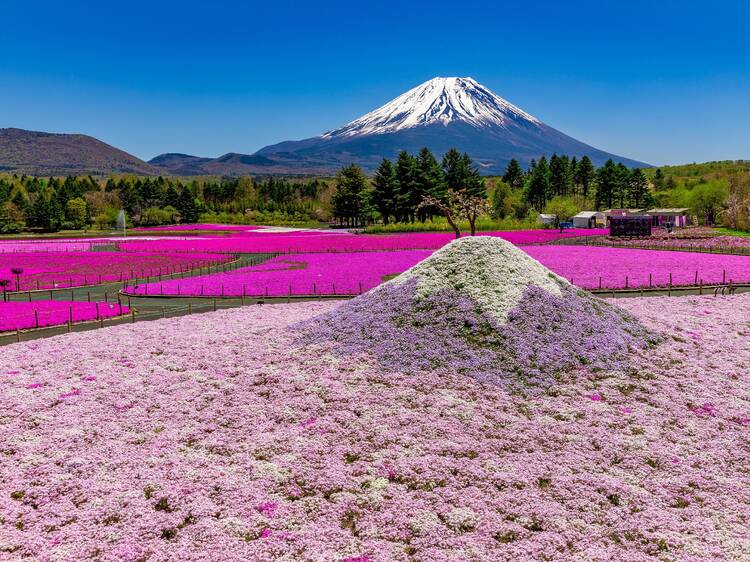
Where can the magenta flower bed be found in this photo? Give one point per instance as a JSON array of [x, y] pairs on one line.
[[618, 267], [311, 242], [345, 273], [712, 244], [201, 226], [24, 315], [71, 245], [296, 274], [72, 269]]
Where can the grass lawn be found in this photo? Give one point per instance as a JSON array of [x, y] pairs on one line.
[[733, 232]]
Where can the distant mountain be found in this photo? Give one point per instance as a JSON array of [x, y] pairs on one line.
[[439, 114], [41, 154], [233, 164]]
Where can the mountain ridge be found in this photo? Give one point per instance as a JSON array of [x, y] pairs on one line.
[[441, 113], [42, 153]]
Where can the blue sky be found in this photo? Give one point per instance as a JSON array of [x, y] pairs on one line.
[[663, 81]]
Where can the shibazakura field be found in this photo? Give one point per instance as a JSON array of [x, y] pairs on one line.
[[478, 406]]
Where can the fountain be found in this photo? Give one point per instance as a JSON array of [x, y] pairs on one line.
[[121, 221]]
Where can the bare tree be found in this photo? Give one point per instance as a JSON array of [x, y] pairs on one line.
[[737, 205], [458, 205]]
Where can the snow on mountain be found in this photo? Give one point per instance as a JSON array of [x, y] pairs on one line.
[[440, 114], [437, 101]]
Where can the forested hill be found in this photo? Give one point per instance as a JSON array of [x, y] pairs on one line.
[[54, 154]]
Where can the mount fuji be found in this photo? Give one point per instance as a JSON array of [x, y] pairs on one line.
[[440, 114]]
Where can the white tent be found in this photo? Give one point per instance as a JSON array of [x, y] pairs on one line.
[[547, 220], [588, 219]]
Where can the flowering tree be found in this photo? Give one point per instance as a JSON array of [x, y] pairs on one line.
[[457, 205], [17, 271]]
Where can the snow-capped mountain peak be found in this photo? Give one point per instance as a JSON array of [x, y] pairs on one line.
[[437, 101]]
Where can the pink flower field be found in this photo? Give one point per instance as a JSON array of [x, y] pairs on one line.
[[200, 226], [332, 241], [26, 315], [73, 269], [618, 267], [215, 437], [295, 274], [352, 273]]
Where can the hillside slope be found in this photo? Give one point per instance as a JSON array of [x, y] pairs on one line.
[[39, 153]]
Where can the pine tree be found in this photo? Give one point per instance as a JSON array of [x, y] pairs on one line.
[[514, 176], [606, 185], [351, 200], [385, 186], [558, 175], [461, 175], [658, 180], [172, 198], [453, 169], [584, 175], [538, 186], [429, 181], [637, 189], [186, 206], [406, 175], [473, 182], [621, 185]]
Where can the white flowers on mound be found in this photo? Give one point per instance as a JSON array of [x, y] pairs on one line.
[[492, 272]]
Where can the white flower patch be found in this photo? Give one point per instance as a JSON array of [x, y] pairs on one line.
[[492, 272]]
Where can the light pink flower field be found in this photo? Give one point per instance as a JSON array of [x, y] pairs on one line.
[[213, 437]]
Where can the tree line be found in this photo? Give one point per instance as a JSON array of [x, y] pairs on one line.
[[610, 186], [398, 189], [75, 202]]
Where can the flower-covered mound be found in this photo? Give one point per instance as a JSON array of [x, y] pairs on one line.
[[53, 270], [211, 437], [484, 308]]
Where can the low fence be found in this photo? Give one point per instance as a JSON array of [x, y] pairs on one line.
[[647, 244], [24, 316]]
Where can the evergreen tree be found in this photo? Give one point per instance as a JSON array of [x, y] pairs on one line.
[[406, 175], [637, 189], [186, 206], [461, 175], [658, 180], [429, 181], [172, 197], [572, 169], [537, 191], [351, 200], [500, 200], [606, 185], [558, 166], [473, 182], [384, 192], [46, 211], [621, 185], [514, 176], [584, 175]]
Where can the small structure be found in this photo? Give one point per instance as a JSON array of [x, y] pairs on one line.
[[588, 219], [609, 213], [630, 225], [671, 217], [547, 220]]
